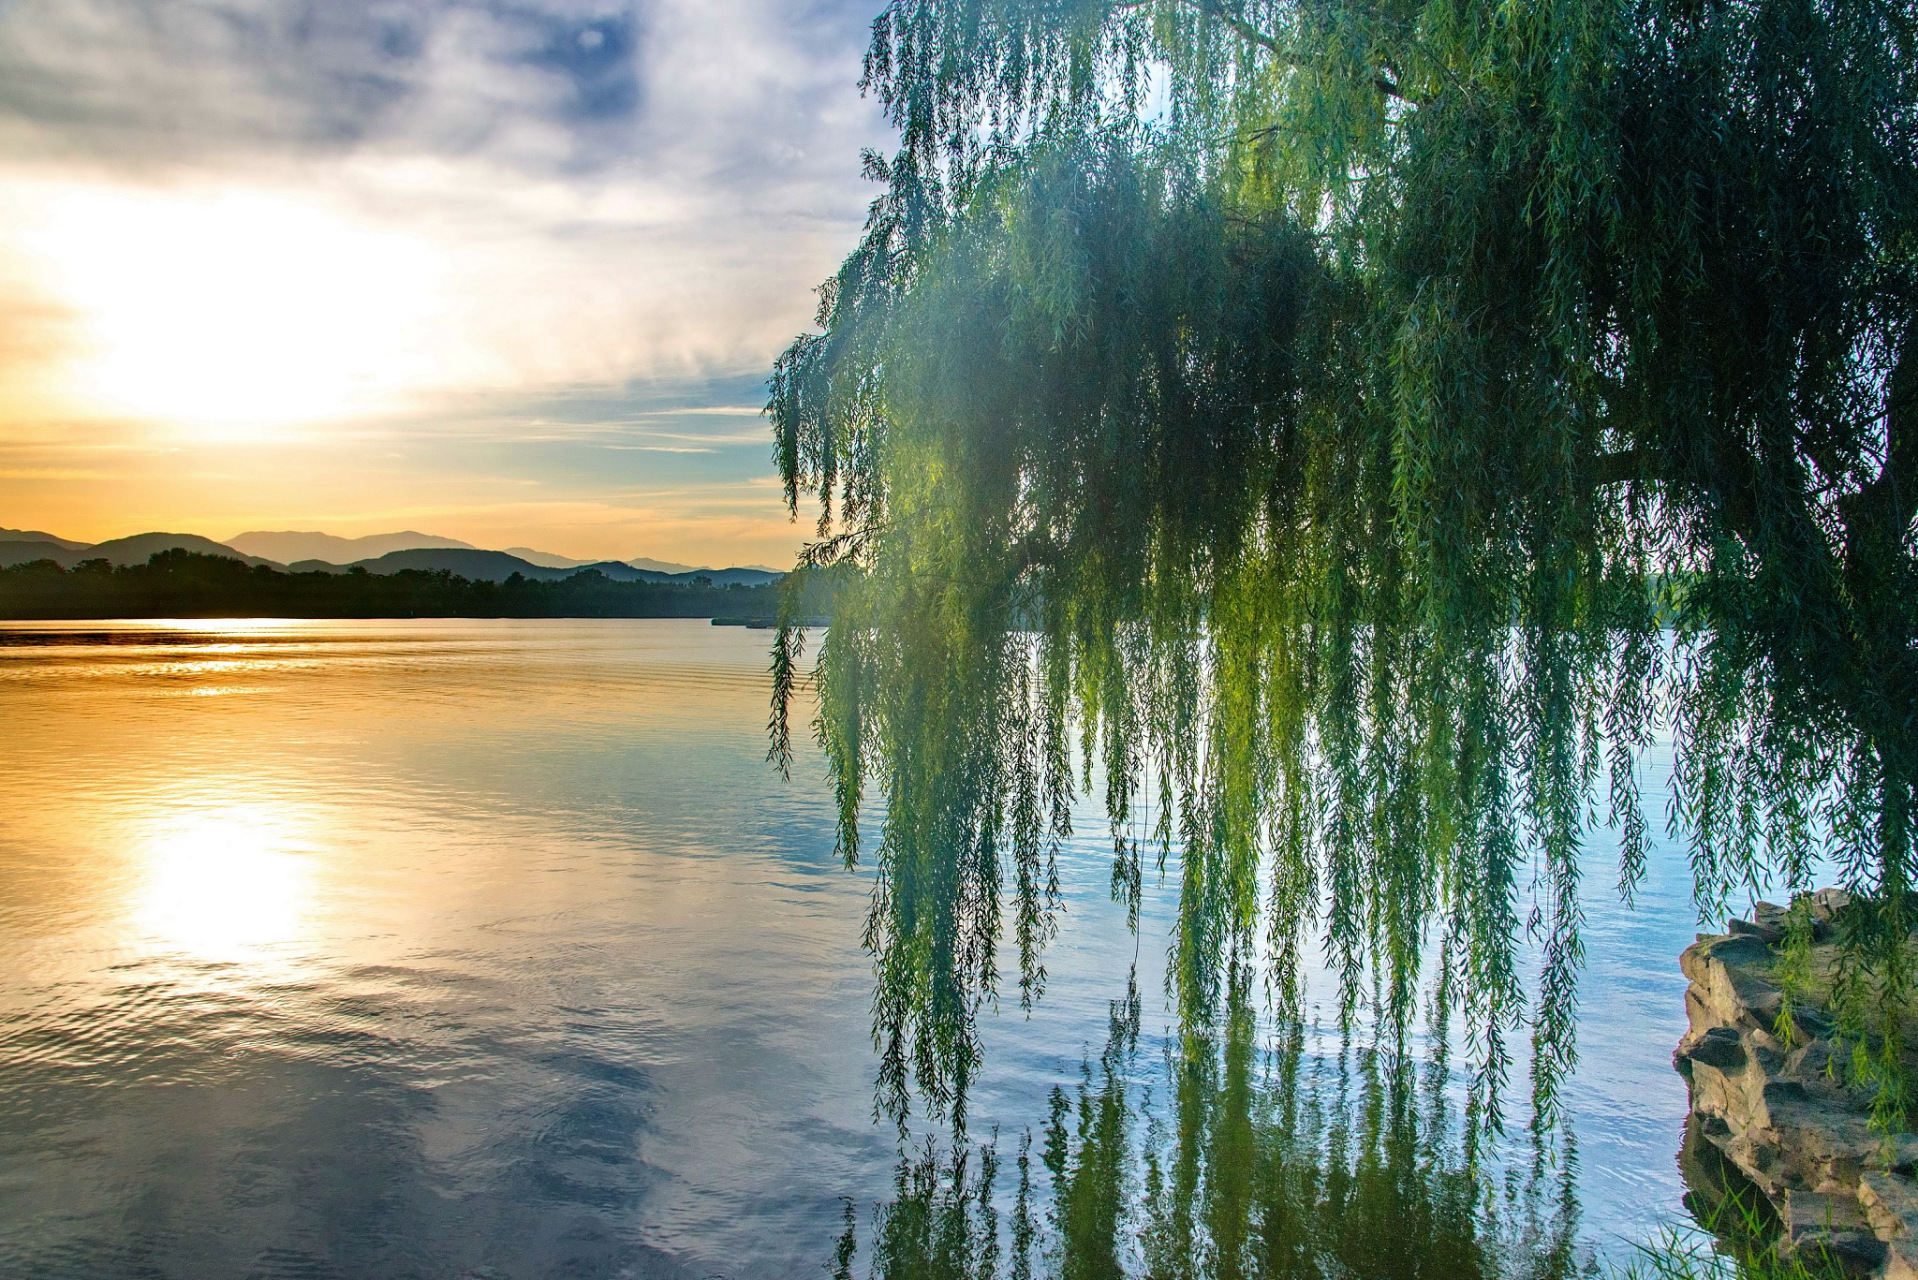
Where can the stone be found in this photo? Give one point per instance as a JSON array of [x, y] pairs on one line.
[[1890, 1204], [1777, 1118], [1833, 1225], [1826, 904], [1812, 1024], [1767, 924], [1720, 1047]]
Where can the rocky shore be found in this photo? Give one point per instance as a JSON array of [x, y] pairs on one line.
[[1776, 1119]]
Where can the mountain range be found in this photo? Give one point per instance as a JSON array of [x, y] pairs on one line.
[[286, 546], [20, 545], [34, 535], [548, 560], [376, 553]]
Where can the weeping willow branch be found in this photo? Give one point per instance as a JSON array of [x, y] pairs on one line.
[[1348, 454]]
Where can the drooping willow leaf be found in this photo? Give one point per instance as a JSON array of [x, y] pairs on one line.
[[1350, 430]]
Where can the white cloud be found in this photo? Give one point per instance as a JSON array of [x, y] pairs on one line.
[[511, 216]]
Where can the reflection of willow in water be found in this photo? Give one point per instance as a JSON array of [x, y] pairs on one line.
[[1274, 1162]]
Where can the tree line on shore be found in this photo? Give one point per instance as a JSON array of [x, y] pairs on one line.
[[184, 584]]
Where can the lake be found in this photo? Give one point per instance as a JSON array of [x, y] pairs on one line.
[[495, 948]]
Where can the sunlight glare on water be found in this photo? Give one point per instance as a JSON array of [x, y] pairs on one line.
[[449, 949], [220, 883]]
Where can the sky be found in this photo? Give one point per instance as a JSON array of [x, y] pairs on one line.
[[510, 271]]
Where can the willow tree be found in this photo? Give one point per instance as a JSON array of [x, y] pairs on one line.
[[1350, 429]]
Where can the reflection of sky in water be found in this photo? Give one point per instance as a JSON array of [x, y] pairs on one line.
[[417, 948]]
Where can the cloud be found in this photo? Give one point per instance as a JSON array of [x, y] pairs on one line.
[[573, 85], [600, 191], [192, 80], [486, 223]]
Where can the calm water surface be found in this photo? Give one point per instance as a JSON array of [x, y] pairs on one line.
[[378, 949]]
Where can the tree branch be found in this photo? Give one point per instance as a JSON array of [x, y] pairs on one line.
[[1252, 35]]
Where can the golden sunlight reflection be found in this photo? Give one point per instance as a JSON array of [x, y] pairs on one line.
[[222, 883], [219, 312]]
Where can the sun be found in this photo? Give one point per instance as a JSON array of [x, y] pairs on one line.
[[223, 312]]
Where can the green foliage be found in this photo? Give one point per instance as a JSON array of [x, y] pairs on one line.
[[1351, 429], [1676, 1255], [186, 584]]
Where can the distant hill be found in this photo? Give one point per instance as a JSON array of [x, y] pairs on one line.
[[719, 577], [22, 551], [36, 535], [466, 562], [614, 569], [547, 560], [661, 570], [286, 546], [498, 566], [136, 549], [133, 550], [619, 571], [424, 551], [333, 552]]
